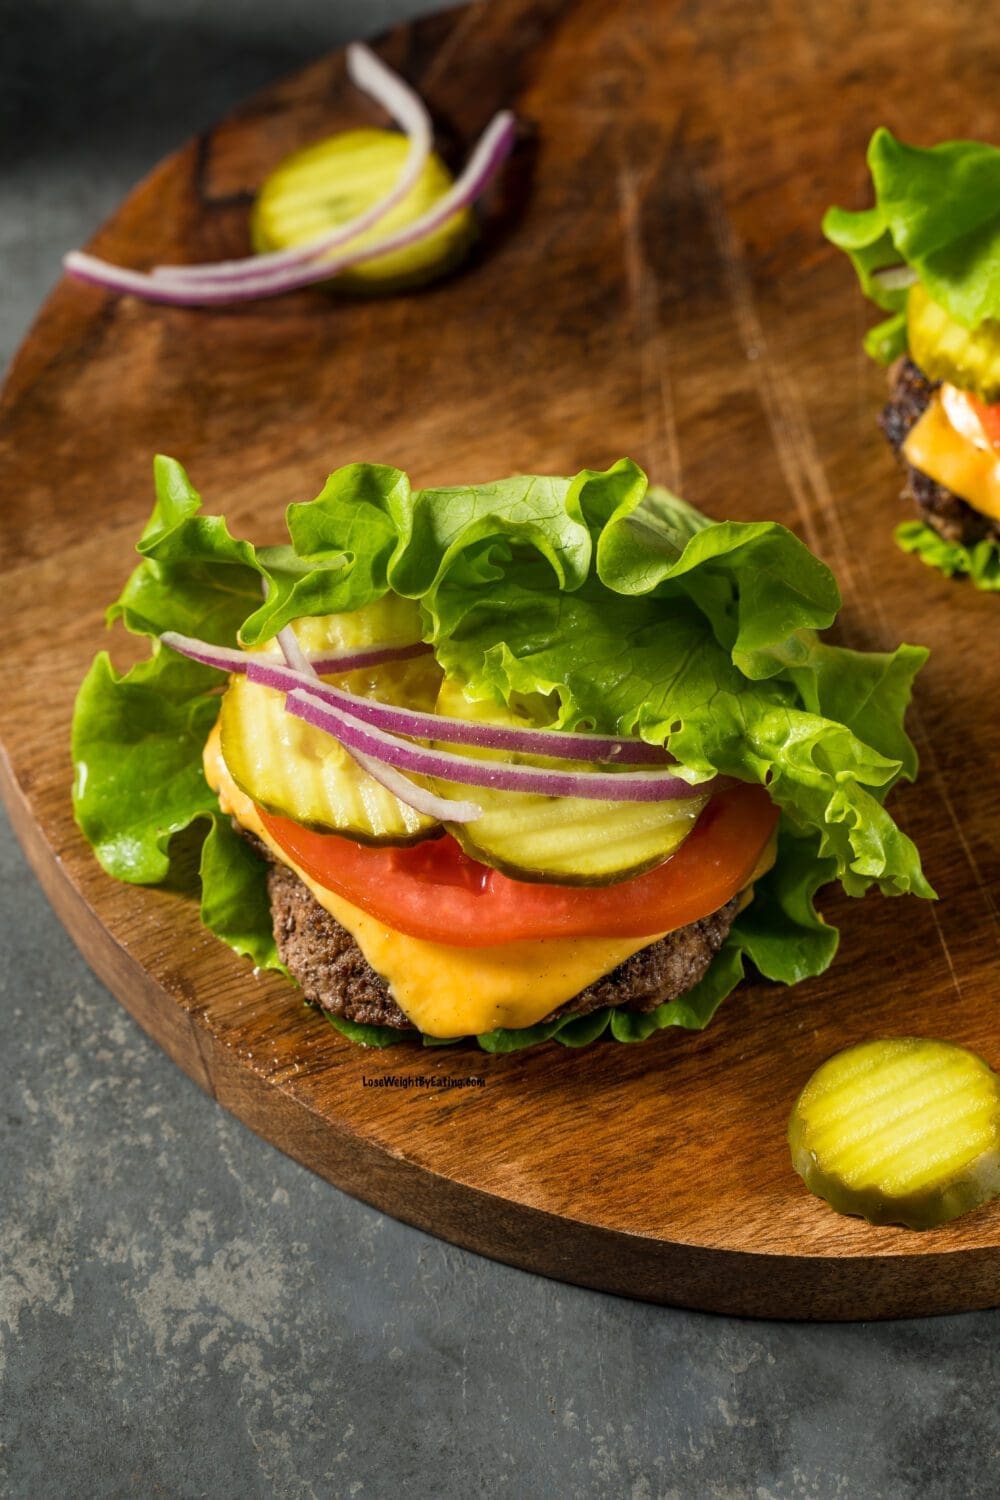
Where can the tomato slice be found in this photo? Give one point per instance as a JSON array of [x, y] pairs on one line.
[[434, 890], [989, 418]]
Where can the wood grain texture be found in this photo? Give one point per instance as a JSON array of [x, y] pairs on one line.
[[652, 282]]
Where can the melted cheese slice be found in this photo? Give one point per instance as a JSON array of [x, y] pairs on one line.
[[935, 448], [447, 991]]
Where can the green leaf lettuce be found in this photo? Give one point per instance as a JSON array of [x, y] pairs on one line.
[[979, 562], [937, 210]]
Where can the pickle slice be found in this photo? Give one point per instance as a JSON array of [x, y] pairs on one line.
[[289, 768], [570, 840], [905, 1131], [560, 840], [944, 350], [331, 182], [389, 621]]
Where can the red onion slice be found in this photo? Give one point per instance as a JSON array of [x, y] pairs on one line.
[[224, 658], [559, 744], [376, 79], [293, 653], [895, 278], [373, 656], [228, 660], [492, 150], [355, 735]]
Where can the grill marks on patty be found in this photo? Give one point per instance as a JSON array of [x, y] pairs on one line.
[[951, 517], [335, 975]]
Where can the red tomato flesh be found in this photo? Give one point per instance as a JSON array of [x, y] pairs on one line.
[[989, 418], [433, 890]]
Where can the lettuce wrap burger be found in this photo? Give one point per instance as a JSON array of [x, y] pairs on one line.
[[540, 758], [928, 253]]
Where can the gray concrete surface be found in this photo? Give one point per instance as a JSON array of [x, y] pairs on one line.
[[183, 1312]]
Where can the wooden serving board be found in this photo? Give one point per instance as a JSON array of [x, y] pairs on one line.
[[651, 282]]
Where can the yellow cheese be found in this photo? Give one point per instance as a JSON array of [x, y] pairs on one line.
[[447, 991], [935, 448]]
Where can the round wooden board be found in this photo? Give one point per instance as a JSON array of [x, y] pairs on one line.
[[652, 282]]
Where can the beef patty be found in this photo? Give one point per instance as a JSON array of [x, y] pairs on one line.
[[335, 975], [951, 517]]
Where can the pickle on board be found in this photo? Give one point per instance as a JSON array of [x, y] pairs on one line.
[[966, 357], [332, 182], [902, 1131]]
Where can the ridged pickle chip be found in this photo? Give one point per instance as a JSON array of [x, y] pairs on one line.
[[902, 1131], [944, 350]]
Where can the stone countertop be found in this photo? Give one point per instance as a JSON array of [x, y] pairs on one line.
[[183, 1311]]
